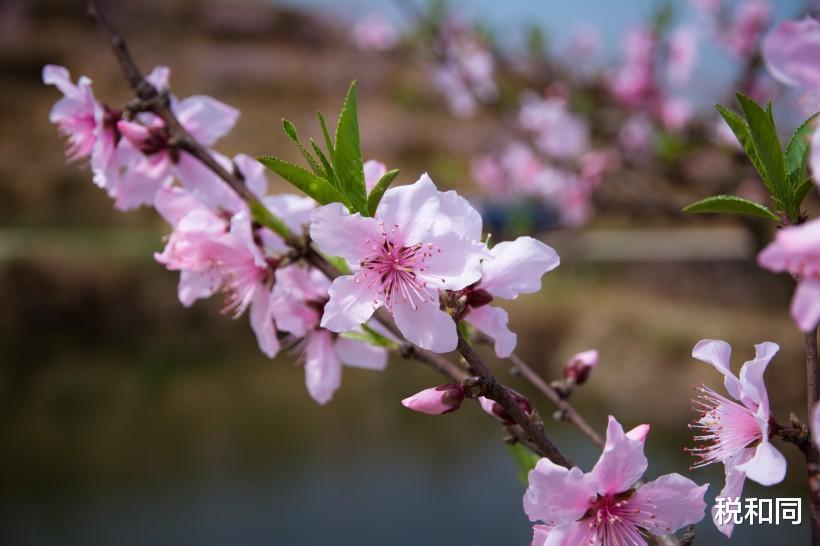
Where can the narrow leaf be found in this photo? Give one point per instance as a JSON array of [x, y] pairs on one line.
[[768, 149], [331, 149], [348, 164], [315, 186], [802, 191], [378, 190], [325, 163], [290, 130], [731, 204], [797, 153], [741, 130]]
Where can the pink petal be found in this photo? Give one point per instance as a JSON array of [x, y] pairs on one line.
[[621, 464], [262, 323], [360, 354], [732, 488], [574, 534], [426, 326], [639, 433], [139, 184], [540, 534], [454, 263], [174, 203], [159, 77], [409, 212], [253, 173], [206, 118], [815, 424], [805, 306], [557, 495], [792, 53], [338, 233], [323, 371], [718, 353], [767, 466], [373, 172], [294, 210], [751, 375], [205, 185], [492, 321], [669, 503], [60, 77], [457, 215], [195, 285], [516, 267], [351, 304]]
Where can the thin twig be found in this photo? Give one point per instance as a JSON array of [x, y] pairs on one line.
[[812, 456]]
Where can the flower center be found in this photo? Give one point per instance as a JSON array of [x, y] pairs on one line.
[[396, 270], [725, 428], [611, 521]]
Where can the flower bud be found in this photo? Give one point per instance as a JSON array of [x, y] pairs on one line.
[[437, 400], [578, 368], [496, 410]]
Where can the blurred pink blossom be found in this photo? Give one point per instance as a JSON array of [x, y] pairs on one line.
[[682, 56], [437, 400], [748, 23], [374, 33]]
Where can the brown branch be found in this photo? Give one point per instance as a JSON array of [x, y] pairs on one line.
[[568, 412], [532, 425], [812, 456]]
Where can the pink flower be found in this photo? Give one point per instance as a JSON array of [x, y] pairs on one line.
[[558, 132], [603, 507], [578, 368], [373, 172], [736, 432], [683, 54], [636, 134], [675, 113], [89, 126], [436, 401], [750, 19], [513, 268], [792, 53], [298, 297], [402, 257], [633, 83], [595, 165], [152, 161], [796, 250], [494, 409], [373, 33]]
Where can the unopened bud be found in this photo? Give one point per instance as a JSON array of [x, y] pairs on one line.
[[437, 400], [578, 368], [497, 410]]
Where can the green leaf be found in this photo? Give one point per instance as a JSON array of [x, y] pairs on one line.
[[331, 149], [290, 131], [741, 130], [797, 154], [801, 191], [764, 136], [731, 204], [325, 163], [378, 190], [339, 263], [315, 186], [348, 164], [265, 217], [525, 460]]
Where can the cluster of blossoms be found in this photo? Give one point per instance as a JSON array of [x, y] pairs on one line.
[[555, 167], [738, 26], [463, 69], [420, 245]]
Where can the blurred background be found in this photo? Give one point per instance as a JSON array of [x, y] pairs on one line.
[[130, 420]]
